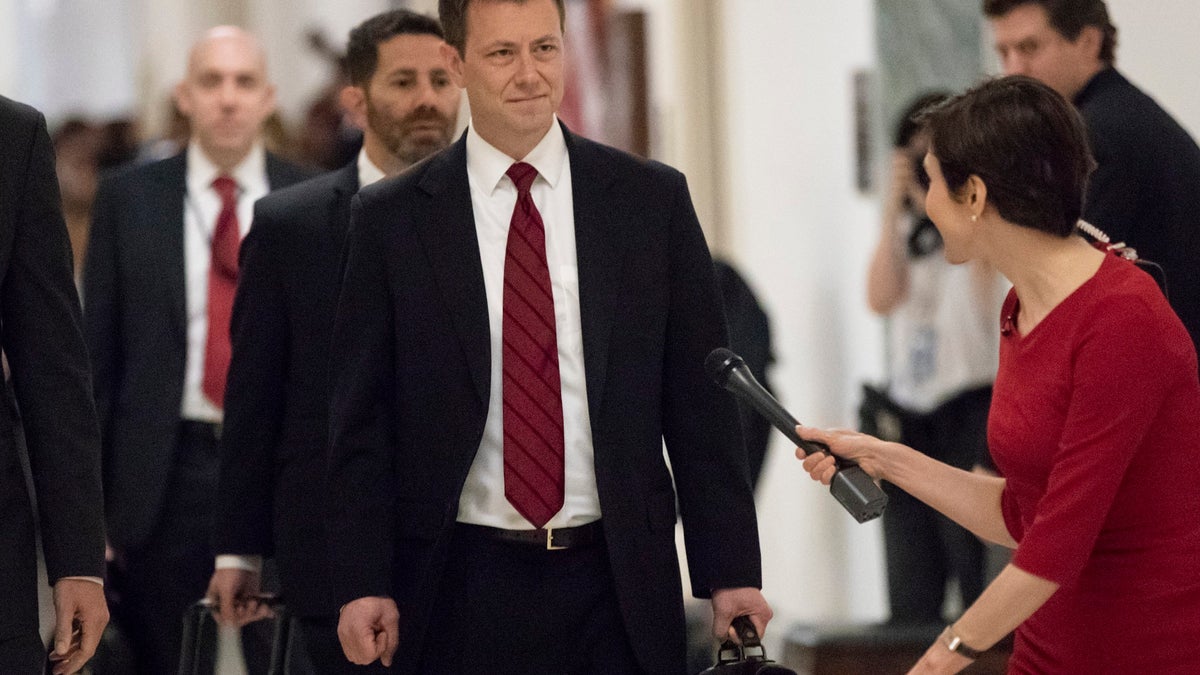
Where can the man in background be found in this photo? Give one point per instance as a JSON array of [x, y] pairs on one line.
[[1144, 190], [44, 351], [523, 322], [271, 492], [159, 281]]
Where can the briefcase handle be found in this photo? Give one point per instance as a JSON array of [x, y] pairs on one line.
[[751, 649]]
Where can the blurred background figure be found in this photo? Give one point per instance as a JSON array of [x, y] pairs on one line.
[[1144, 191], [941, 360], [327, 138], [77, 145], [82, 151], [159, 281]]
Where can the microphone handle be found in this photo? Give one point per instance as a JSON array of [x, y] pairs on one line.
[[854, 488]]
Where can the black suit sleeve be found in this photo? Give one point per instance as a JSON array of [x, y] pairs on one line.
[[1112, 202], [48, 359], [255, 394], [700, 424], [101, 316], [361, 511]]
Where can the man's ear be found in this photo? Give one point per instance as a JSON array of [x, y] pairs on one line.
[[454, 64], [1089, 41], [182, 101], [353, 100]]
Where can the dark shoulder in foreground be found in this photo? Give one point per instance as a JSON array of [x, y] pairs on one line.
[[14, 112], [588, 154]]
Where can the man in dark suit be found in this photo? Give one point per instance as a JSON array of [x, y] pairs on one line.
[[159, 278], [513, 344], [273, 450], [43, 346], [1143, 191]]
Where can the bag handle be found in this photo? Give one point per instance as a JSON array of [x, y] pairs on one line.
[[750, 650]]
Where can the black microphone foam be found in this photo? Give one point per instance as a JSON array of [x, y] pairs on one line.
[[851, 486]]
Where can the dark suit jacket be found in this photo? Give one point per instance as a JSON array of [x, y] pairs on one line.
[[273, 451], [135, 314], [411, 362], [41, 335], [1146, 187]]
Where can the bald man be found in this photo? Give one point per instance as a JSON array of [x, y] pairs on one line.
[[159, 278]]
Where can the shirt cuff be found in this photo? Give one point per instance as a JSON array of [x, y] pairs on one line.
[[250, 563], [94, 580]]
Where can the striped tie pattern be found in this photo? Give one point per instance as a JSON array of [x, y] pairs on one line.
[[532, 391], [222, 283]]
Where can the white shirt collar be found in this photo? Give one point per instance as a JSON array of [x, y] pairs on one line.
[[368, 172], [201, 171], [489, 165]]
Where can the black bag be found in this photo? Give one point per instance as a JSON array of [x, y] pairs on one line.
[[749, 658], [199, 652]]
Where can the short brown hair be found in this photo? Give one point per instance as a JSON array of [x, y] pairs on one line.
[[1068, 17], [1025, 142], [453, 14], [362, 50]]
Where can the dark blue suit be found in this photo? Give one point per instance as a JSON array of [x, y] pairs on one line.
[[271, 491]]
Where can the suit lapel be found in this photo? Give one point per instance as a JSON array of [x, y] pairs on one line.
[[344, 188], [169, 203], [599, 252], [447, 232]]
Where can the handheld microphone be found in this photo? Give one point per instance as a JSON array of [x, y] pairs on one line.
[[854, 489]]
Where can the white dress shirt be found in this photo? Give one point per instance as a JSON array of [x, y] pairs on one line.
[[493, 197], [368, 172], [201, 206]]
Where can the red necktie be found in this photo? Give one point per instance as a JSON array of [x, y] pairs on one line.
[[222, 282], [533, 418]]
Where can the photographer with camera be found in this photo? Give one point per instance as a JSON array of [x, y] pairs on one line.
[[941, 359]]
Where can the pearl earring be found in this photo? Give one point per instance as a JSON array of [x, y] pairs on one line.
[[974, 218]]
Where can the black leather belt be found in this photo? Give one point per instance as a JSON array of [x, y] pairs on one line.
[[555, 539], [205, 430]]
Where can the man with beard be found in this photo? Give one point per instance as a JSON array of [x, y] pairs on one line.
[[271, 489]]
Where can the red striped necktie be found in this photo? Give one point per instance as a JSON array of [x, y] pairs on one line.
[[532, 391], [222, 283]]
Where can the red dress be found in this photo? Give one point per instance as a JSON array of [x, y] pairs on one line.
[[1095, 425]]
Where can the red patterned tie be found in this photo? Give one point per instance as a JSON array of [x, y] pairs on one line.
[[222, 282], [533, 418]]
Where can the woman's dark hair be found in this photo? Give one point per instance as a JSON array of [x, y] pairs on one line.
[[1025, 142]]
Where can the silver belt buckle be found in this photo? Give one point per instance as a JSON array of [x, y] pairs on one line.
[[550, 541]]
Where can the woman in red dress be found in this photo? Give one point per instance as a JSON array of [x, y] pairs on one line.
[[1095, 417]]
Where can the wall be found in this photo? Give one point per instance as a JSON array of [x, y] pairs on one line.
[[801, 234]]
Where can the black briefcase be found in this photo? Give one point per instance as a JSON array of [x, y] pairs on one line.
[[199, 650], [749, 658]]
